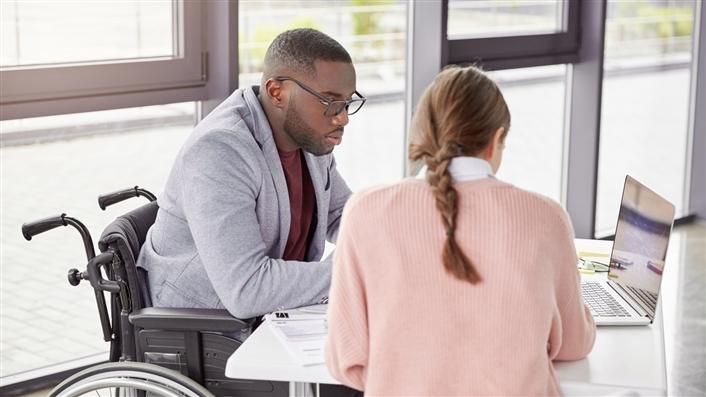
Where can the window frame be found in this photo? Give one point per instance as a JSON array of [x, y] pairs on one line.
[[581, 46], [44, 90], [695, 182], [514, 51]]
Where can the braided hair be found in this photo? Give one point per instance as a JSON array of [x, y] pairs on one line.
[[457, 115]]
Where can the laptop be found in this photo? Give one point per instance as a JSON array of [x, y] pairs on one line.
[[629, 295]]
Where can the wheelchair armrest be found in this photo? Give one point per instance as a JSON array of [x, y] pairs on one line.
[[179, 319]]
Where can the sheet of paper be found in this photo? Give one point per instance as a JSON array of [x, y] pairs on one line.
[[303, 335]]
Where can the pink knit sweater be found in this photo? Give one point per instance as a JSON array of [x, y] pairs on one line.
[[399, 324]]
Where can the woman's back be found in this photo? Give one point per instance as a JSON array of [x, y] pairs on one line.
[[401, 324]]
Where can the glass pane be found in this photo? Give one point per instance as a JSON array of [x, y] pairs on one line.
[[532, 158], [371, 156], [491, 18], [49, 32], [52, 128], [373, 32], [645, 102], [43, 320]]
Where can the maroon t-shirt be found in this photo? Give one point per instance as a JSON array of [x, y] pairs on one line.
[[302, 204]]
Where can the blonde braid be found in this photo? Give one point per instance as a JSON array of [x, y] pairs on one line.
[[439, 177], [457, 115]]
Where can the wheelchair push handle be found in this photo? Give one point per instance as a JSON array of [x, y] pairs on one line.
[[108, 199], [31, 229]]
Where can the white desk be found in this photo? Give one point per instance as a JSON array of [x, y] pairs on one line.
[[624, 358]]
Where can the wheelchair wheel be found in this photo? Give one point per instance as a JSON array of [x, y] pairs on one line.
[[129, 379]]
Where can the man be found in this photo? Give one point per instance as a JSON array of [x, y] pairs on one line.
[[254, 192]]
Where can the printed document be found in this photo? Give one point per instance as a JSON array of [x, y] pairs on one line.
[[302, 331]]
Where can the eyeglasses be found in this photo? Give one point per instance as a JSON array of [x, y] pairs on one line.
[[589, 266], [333, 108]]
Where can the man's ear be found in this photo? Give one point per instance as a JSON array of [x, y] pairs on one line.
[[275, 92]]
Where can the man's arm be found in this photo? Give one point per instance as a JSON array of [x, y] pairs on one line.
[[221, 184], [339, 195]]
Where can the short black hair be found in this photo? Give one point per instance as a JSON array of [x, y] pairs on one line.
[[297, 50]]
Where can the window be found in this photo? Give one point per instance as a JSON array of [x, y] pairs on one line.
[[43, 320], [511, 34], [534, 145], [58, 62], [97, 31], [66, 57], [645, 103], [488, 18]]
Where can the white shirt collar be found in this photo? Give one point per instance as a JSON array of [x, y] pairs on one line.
[[464, 169]]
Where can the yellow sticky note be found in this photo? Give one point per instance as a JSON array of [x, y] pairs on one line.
[[584, 254]]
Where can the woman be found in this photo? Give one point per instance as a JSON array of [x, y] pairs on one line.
[[455, 283]]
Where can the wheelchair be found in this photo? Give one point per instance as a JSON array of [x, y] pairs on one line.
[[153, 351]]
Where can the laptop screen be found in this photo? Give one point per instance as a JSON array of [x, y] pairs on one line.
[[641, 240]]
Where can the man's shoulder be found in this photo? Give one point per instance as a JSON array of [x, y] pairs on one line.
[[229, 126], [229, 148], [232, 118], [220, 140]]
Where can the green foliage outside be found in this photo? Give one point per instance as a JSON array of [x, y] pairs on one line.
[[261, 38], [368, 23], [363, 23], [640, 28], [674, 21], [670, 21]]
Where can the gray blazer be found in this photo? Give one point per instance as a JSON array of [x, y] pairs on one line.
[[224, 219]]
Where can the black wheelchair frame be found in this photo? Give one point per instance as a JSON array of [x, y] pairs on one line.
[[192, 343]]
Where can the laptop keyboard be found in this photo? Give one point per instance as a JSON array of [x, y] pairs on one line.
[[600, 302], [647, 297]]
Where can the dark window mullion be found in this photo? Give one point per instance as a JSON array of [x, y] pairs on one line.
[[513, 47], [527, 50]]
